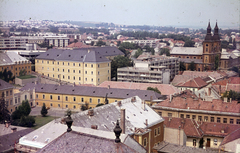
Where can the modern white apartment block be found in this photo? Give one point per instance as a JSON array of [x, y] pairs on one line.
[[150, 69]]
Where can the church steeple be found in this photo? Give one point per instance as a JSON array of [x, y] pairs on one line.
[[208, 35], [216, 36]]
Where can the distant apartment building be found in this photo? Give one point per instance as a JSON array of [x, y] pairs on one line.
[[14, 63], [142, 43], [19, 42], [150, 69]]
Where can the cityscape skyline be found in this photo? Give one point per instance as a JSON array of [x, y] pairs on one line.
[[154, 13]]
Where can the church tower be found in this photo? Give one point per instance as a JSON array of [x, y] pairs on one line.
[[211, 47]]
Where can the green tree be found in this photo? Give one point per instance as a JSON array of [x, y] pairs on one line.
[[22, 72], [182, 66], [75, 40], [118, 62], [26, 108], [189, 43], [4, 113], [85, 106], [154, 89], [54, 29], [100, 43], [44, 110], [35, 29], [216, 62], [27, 121], [192, 66], [234, 43], [138, 53], [7, 75], [149, 49], [126, 53], [99, 104], [164, 51]]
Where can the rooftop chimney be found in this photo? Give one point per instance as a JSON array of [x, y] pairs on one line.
[[94, 127], [123, 120], [170, 98], [117, 130], [146, 122], [90, 112], [108, 86]]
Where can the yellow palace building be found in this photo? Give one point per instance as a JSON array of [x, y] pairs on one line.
[[73, 97], [82, 66]]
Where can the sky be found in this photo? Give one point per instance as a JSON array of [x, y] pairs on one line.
[[179, 13]]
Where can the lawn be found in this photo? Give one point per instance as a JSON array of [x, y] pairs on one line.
[[40, 121], [26, 77]]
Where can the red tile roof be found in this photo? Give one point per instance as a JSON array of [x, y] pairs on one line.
[[193, 128], [218, 129], [78, 45], [165, 89], [186, 101], [231, 137], [234, 80], [193, 83], [188, 125]]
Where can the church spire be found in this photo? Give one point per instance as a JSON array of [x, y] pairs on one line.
[[216, 36], [208, 35]]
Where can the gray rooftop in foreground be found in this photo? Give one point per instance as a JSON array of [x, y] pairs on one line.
[[85, 143], [104, 119]]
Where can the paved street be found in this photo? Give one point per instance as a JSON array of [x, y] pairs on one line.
[[51, 112]]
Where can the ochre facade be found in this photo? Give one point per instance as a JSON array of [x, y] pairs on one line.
[[74, 72]]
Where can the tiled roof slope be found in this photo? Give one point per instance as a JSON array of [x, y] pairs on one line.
[[231, 137], [9, 58], [84, 143], [8, 141], [165, 89], [183, 101], [105, 116], [193, 83], [93, 91], [174, 148], [4, 85], [188, 125], [108, 51], [193, 128], [214, 74], [218, 129], [83, 55]]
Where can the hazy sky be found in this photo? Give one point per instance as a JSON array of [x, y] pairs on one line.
[[128, 12]]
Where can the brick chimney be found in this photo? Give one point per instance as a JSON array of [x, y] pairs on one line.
[[122, 124], [90, 112]]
